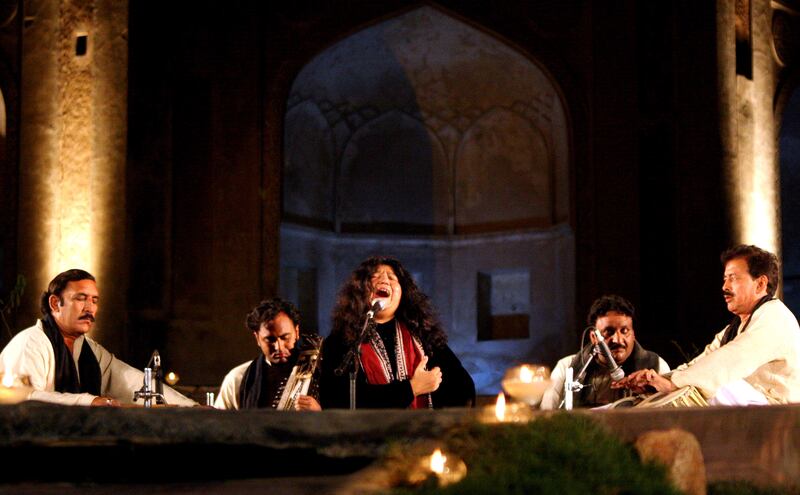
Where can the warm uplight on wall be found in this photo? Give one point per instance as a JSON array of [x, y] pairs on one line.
[[758, 210], [755, 179], [2, 115], [72, 153], [75, 194]]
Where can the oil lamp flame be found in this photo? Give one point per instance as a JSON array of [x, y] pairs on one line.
[[8, 378], [437, 462], [171, 378], [500, 407], [525, 374]]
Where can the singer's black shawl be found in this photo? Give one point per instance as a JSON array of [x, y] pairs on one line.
[[456, 390]]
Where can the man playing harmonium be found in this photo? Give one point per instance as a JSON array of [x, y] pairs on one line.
[[284, 375], [62, 363], [612, 316], [753, 360]]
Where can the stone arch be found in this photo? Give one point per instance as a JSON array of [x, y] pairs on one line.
[[450, 149], [309, 172], [403, 185], [501, 156]]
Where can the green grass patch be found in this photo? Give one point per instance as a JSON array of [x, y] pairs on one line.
[[561, 454]]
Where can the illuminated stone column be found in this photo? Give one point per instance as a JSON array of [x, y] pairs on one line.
[[72, 160], [748, 122]]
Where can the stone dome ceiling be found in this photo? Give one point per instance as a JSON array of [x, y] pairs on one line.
[[423, 123]]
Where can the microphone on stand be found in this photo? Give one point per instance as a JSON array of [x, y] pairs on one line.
[[158, 375], [616, 372], [377, 305], [369, 323]]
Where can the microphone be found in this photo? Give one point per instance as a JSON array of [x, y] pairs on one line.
[[377, 305], [617, 373], [156, 359]]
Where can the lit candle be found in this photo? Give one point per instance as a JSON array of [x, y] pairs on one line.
[[500, 407], [14, 389], [437, 462], [172, 378], [527, 383], [8, 379], [447, 468], [525, 374]]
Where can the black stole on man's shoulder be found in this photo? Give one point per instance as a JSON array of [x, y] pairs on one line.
[[66, 374], [262, 381], [733, 327]]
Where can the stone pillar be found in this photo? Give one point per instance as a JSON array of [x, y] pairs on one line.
[[747, 122], [72, 159]]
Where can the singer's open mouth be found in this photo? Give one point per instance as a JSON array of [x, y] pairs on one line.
[[382, 292]]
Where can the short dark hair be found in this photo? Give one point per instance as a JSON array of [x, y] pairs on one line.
[[59, 283], [267, 310], [604, 304], [759, 262]]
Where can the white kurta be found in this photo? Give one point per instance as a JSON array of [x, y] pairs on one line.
[[766, 355], [30, 354], [228, 397], [555, 393]]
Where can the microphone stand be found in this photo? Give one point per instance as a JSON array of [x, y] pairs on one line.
[[159, 376], [571, 386], [353, 356], [146, 392]]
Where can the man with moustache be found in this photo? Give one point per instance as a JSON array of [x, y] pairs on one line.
[[260, 383], [63, 364], [613, 316], [753, 360]]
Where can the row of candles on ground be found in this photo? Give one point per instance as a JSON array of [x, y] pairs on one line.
[[526, 384]]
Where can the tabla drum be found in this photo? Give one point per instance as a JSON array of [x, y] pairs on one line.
[[624, 403], [687, 396]]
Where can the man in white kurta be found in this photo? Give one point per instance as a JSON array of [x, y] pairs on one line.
[[766, 356], [30, 354], [229, 390], [756, 358], [70, 304]]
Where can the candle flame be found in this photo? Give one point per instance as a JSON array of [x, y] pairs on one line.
[[500, 407], [437, 462], [172, 378], [525, 374], [8, 378]]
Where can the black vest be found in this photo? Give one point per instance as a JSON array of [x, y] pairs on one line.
[[597, 390]]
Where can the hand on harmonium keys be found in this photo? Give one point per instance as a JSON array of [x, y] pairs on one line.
[[645, 381]]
